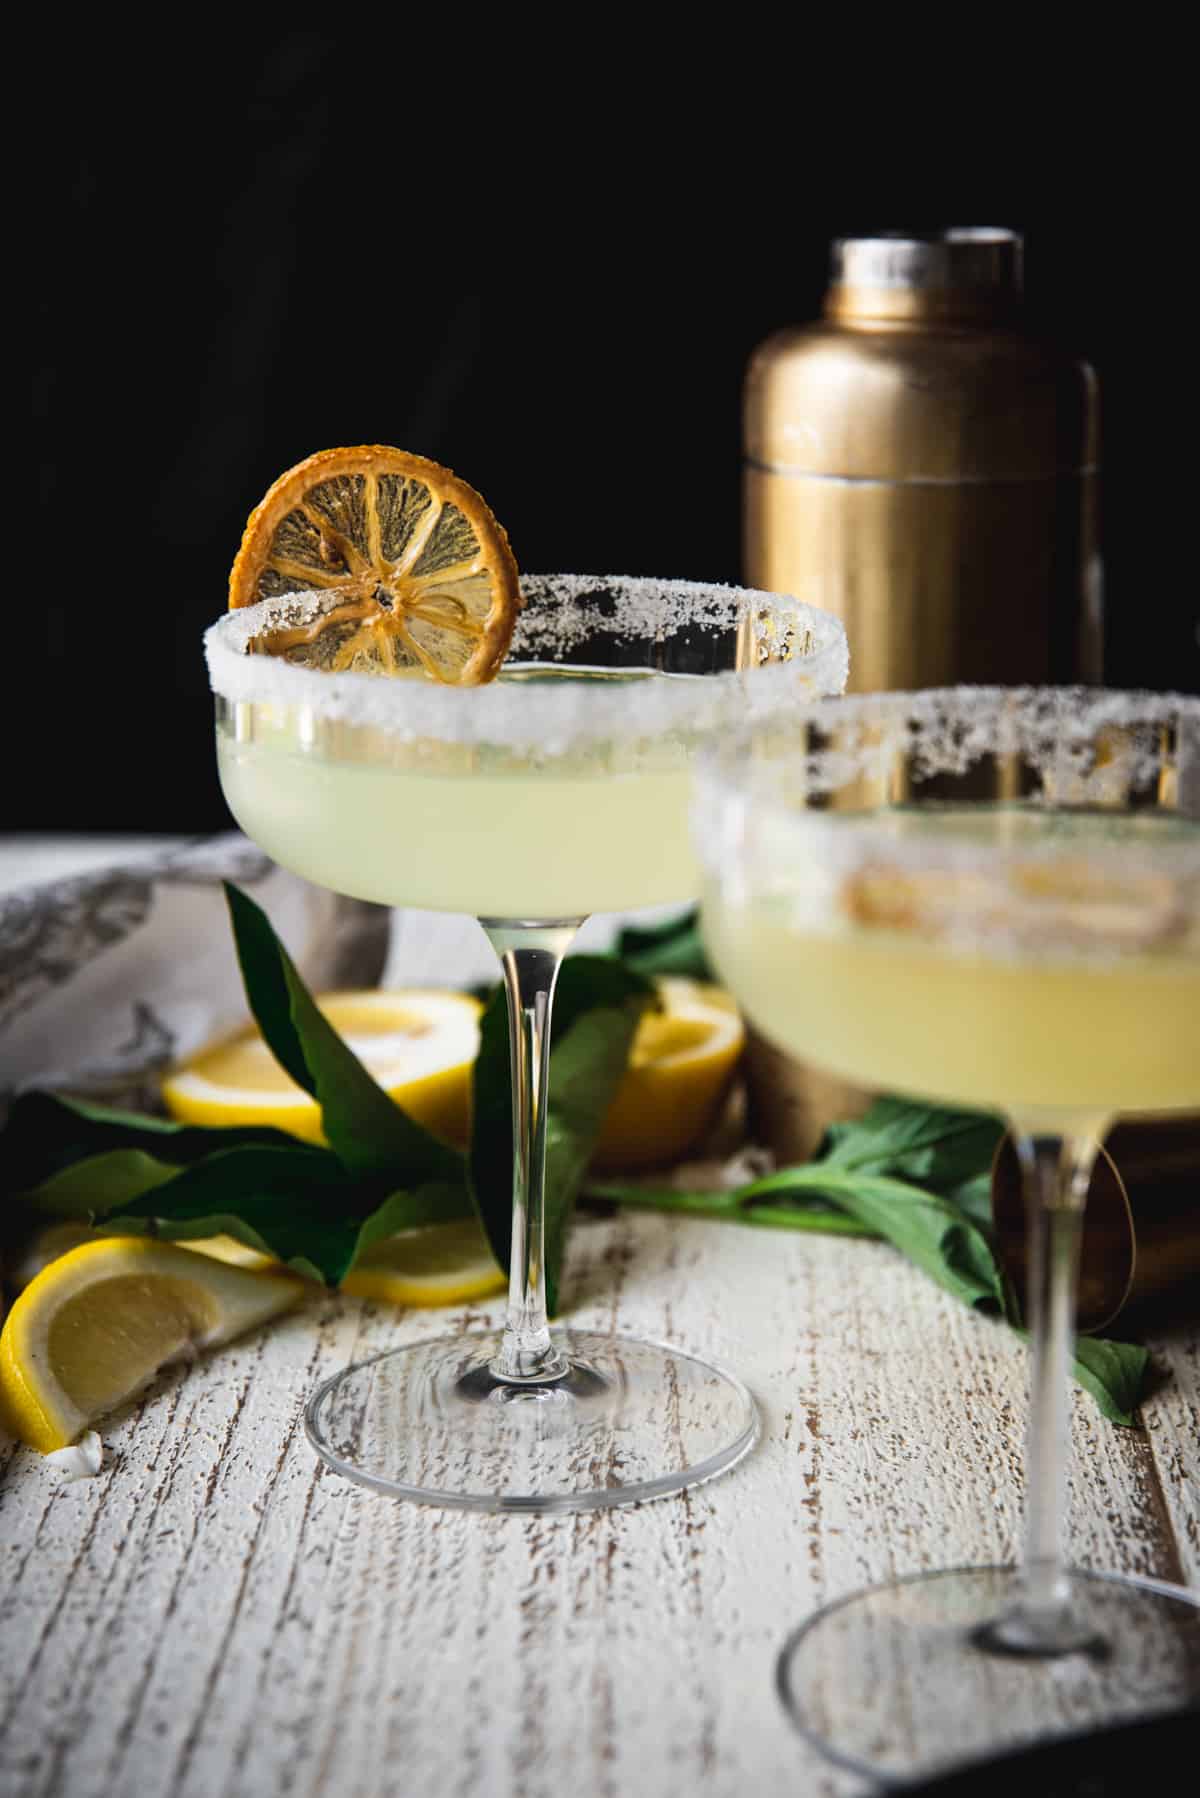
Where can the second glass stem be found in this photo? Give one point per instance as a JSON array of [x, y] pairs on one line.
[[531, 956], [1056, 1171]]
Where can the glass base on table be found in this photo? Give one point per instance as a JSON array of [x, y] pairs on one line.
[[899, 1681], [629, 1420]]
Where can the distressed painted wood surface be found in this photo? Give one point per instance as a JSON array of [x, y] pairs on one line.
[[217, 1615]]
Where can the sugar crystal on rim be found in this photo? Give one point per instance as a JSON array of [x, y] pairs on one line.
[[801, 652]]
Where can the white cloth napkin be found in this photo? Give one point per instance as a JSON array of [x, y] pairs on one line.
[[109, 977]]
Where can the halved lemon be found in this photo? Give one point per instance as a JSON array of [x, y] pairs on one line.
[[681, 1065], [415, 572], [420, 1046], [438, 1264], [98, 1323]]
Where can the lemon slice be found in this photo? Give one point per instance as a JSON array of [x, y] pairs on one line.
[[437, 1264], [415, 573], [419, 1045], [53, 1240], [98, 1323], [681, 1064], [434, 1264]]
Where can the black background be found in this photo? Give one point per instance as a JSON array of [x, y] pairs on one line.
[[263, 256]]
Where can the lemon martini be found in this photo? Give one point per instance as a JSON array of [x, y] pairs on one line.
[[1046, 964], [987, 898], [529, 800], [540, 804]]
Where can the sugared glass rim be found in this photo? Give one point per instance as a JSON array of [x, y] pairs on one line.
[[560, 612], [771, 772]]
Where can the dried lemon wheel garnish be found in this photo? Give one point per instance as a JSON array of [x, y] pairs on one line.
[[415, 574]]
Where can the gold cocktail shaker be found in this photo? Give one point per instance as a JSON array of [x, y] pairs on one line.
[[921, 463]]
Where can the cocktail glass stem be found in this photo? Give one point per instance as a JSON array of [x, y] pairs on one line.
[[1055, 1173], [531, 955]]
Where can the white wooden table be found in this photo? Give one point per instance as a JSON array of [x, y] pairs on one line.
[[218, 1617]]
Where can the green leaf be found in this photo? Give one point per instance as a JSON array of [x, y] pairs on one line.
[[675, 947], [586, 1067], [315, 1221], [596, 1009], [293, 1204], [940, 1147], [91, 1188], [974, 1196], [946, 1233], [741, 1205], [1114, 1373], [297, 1204], [47, 1133], [300, 1203], [292, 1201], [366, 1129], [406, 1210], [930, 1230]]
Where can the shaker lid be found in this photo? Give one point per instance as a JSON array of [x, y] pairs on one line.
[[957, 269]]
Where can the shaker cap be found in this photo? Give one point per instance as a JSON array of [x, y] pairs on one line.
[[958, 270], [923, 369]]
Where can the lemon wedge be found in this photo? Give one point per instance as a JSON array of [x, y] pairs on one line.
[[680, 1067], [419, 1045], [96, 1324], [437, 1264]]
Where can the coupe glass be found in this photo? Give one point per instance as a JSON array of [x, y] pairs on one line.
[[560, 789], [988, 898]]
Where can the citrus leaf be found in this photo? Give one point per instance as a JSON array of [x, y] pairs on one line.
[[297, 1206], [946, 1235], [675, 947], [586, 1068], [940, 1147], [47, 1132], [742, 1205], [1114, 1373], [933, 1232], [284, 1198], [93, 1187], [366, 1129]]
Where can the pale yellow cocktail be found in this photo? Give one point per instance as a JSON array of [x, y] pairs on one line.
[[469, 828], [1059, 981]]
